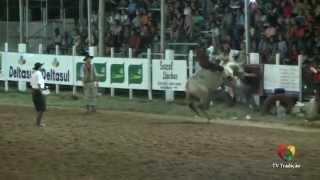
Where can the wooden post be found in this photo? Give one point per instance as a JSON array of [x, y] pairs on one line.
[[57, 86], [169, 57], [22, 85], [277, 59], [112, 89], [130, 90], [89, 10], [300, 62], [6, 84], [74, 87], [40, 49], [149, 73], [101, 28], [190, 63], [81, 15]]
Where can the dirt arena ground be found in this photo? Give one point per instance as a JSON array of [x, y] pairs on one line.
[[122, 145]]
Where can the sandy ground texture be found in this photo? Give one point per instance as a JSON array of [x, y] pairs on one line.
[[137, 146]]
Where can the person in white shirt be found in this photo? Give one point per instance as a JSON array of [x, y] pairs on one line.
[[39, 99]]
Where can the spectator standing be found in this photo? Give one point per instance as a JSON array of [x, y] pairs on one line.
[[89, 84], [116, 30], [282, 48], [57, 37], [135, 42]]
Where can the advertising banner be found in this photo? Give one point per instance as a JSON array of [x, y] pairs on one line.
[[55, 70], [138, 73], [1, 65], [118, 73], [282, 76], [123, 73], [169, 75]]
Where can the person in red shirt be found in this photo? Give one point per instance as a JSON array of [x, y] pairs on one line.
[[134, 42], [287, 9]]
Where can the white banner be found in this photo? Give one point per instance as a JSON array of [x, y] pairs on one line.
[[282, 76], [168, 75], [56, 69], [1, 66]]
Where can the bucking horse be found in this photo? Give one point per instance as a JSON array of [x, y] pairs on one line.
[[200, 87]]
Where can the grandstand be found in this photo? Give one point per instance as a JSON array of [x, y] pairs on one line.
[[289, 27]]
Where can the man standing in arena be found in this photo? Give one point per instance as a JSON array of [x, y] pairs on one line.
[[38, 98], [89, 84]]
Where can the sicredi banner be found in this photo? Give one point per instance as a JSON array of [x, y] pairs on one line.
[[56, 69], [282, 76], [169, 75], [138, 77], [128, 73], [116, 72]]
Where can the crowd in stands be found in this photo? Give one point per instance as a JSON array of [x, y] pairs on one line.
[[287, 27]]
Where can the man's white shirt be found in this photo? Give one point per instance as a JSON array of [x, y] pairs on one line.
[[36, 79]]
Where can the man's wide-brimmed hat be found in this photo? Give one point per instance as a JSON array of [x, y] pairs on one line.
[[37, 66], [87, 57]]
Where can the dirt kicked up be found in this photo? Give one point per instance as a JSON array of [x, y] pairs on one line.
[[137, 146]]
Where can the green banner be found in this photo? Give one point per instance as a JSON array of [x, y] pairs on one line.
[[117, 73], [135, 74], [100, 71]]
